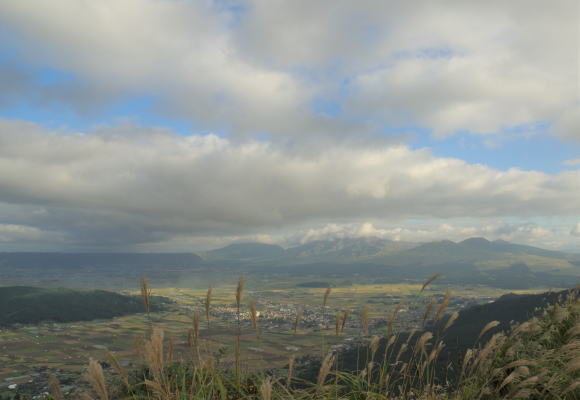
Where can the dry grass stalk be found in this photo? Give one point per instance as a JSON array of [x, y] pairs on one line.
[[428, 309], [345, 315], [436, 351], [96, 378], [411, 334], [326, 294], [571, 348], [196, 321], [572, 388], [158, 389], [190, 336], [573, 366], [138, 345], [369, 369], [402, 349], [239, 292], [514, 377], [422, 342], [146, 295], [364, 320], [266, 389], [154, 354], [390, 342], [487, 327], [559, 314], [324, 371], [524, 394], [297, 319], [54, 387], [531, 381], [468, 356], [374, 345], [491, 345], [451, 320], [290, 370], [519, 363], [120, 370], [574, 331], [337, 324], [254, 316], [394, 317], [428, 281], [207, 304], [443, 305], [170, 350]]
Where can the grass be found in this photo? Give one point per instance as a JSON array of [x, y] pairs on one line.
[[538, 359]]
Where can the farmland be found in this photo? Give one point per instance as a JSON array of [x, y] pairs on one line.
[[64, 348]]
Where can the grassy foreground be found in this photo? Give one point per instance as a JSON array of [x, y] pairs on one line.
[[537, 359]]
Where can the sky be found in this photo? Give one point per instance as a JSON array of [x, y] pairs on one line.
[[175, 125]]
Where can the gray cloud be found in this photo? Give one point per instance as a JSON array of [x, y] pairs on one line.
[[446, 66], [128, 185], [575, 230]]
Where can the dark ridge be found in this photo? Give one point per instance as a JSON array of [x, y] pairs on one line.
[[31, 305], [462, 335]]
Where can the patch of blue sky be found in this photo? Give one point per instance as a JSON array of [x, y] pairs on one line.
[[50, 76], [137, 110], [234, 8], [517, 147], [330, 107]]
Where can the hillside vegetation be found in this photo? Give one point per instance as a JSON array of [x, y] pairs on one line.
[[28, 305], [537, 359]]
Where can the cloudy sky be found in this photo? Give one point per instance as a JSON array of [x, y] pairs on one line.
[[166, 125]]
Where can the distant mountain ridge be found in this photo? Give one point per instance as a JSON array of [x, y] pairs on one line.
[[486, 254]]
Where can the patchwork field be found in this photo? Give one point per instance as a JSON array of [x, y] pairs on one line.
[[25, 351]]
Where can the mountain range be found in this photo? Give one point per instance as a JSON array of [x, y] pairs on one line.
[[471, 261], [483, 253]]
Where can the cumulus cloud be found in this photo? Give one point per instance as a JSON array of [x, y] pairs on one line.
[[552, 236], [575, 230], [128, 185], [480, 67], [301, 94], [17, 233], [572, 163]]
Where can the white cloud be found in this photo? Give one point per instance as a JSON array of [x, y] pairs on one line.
[[480, 67], [128, 185], [549, 236], [20, 234], [575, 230], [572, 163]]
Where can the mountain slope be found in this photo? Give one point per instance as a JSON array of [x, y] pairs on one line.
[[485, 255], [347, 249]]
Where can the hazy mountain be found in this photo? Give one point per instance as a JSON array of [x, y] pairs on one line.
[[347, 249], [247, 251], [483, 254]]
